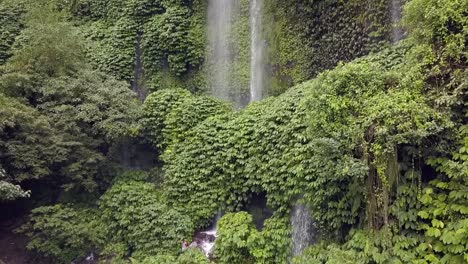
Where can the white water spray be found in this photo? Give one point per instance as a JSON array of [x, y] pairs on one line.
[[257, 63], [302, 229], [220, 16], [396, 14], [138, 77], [205, 240]]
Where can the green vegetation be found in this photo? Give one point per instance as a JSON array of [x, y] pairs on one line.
[[240, 242], [372, 138], [11, 25], [191, 256], [59, 117], [64, 232], [308, 37], [9, 191], [170, 35]]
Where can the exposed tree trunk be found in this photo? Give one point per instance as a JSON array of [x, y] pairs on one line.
[[377, 190]]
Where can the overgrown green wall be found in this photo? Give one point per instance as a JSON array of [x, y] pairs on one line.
[[307, 37], [172, 40], [11, 16]]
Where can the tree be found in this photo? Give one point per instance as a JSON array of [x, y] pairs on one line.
[[9, 191], [84, 112], [48, 47], [29, 145]]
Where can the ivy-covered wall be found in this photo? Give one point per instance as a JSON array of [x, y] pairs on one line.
[[10, 26], [170, 35], [307, 37]]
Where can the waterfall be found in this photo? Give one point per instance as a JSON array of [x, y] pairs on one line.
[[225, 17], [138, 77], [257, 50], [302, 229], [220, 16], [205, 240], [396, 14]]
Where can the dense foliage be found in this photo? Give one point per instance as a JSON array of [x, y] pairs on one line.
[[67, 114], [326, 148], [11, 24], [240, 242], [171, 113], [190, 256], [131, 218], [64, 232], [140, 220], [167, 32], [375, 147], [308, 37]]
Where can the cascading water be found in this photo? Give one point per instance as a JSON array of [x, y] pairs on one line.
[[137, 84], [303, 229], [220, 16], [205, 240], [257, 72], [396, 14]]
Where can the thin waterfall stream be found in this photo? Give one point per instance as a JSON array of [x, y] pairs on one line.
[[138, 78], [257, 64], [220, 25], [303, 230], [220, 16], [397, 33], [220, 19]]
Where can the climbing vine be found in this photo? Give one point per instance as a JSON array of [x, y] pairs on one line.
[[11, 16], [169, 33], [307, 37], [240, 242]]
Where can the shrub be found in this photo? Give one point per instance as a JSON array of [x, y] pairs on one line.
[[64, 232], [138, 216]]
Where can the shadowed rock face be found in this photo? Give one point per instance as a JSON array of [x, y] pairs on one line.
[[258, 209], [13, 245], [204, 237]]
